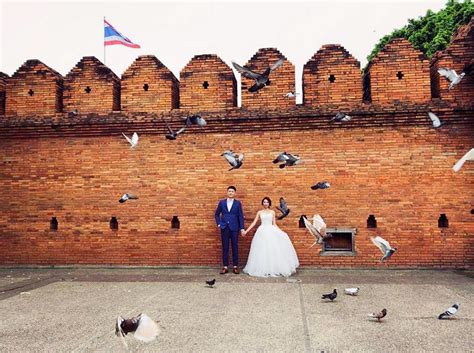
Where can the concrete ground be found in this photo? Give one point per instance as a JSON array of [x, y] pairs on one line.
[[74, 310]]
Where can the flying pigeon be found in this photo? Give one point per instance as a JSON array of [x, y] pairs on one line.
[[143, 327], [235, 160], [321, 185], [285, 211], [126, 197], [330, 296], [351, 291], [317, 229], [195, 120], [451, 76], [261, 80], [341, 117], [469, 156], [132, 141], [291, 94], [384, 247], [450, 312], [287, 160], [436, 121], [172, 135], [211, 283], [379, 315]]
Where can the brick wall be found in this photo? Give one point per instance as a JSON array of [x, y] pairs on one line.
[[207, 83], [34, 89], [400, 73], [91, 87], [282, 81], [332, 76], [398, 170], [149, 86], [3, 88]]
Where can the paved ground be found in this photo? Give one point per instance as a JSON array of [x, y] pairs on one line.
[[74, 310]]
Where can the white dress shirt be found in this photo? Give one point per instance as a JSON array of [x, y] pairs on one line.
[[230, 202]]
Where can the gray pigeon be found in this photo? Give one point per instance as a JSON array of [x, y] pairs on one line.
[[172, 135], [285, 211], [195, 120], [341, 117], [330, 296], [211, 283], [379, 316], [234, 160], [450, 312], [435, 120], [384, 247], [126, 197], [261, 80], [321, 185], [287, 160]]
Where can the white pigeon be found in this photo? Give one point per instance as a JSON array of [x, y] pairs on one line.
[[132, 141], [450, 312], [451, 76], [469, 156], [384, 247], [436, 121], [317, 229], [351, 291], [143, 327], [291, 94]]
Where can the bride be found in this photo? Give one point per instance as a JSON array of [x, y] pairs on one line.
[[271, 252]]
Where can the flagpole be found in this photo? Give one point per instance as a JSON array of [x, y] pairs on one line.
[[103, 39]]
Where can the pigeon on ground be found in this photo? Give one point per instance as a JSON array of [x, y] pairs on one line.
[[452, 76], [469, 156], [384, 247], [132, 141], [261, 80], [317, 229], [341, 117], [195, 120], [235, 160], [211, 283], [450, 312], [172, 135], [379, 315], [330, 296], [285, 211], [126, 197], [143, 327], [321, 185], [351, 291], [291, 94], [436, 121], [287, 160]]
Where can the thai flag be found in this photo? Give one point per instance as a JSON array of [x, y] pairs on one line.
[[112, 37]]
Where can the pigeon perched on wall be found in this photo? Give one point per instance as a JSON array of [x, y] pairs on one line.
[[261, 80], [452, 76], [450, 312], [172, 135], [469, 156], [291, 94], [132, 141], [126, 197], [287, 160], [341, 118], [351, 291], [211, 283], [321, 185], [379, 316], [435, 120], [283, 208], [195, 120], [330, 296], [143, 327], [235, 160], [317, 229], [384, 247]]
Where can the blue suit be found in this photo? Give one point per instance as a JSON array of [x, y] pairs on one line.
[[230, 223]]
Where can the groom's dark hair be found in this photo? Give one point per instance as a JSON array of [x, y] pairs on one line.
[[268, 199], [232, 187]]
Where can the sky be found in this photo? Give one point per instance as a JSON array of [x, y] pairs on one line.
[[60, 33]]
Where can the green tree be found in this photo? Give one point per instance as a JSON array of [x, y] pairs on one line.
[[433, 31]]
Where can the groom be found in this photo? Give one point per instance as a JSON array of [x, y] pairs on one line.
[[230, 220]]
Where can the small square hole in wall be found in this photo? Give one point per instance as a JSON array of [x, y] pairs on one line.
[[443, 221], [114, 223], [88, 90], [400, 75], [332, 78], [342, 242], [301, 222], [146, 87], [53, 224], [371, 222], [205, 84], [175, 223], [31, 92]]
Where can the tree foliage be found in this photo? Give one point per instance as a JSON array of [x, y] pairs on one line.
[[433, 31]]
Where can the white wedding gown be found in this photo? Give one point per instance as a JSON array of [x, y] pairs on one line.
[[271, 252]]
